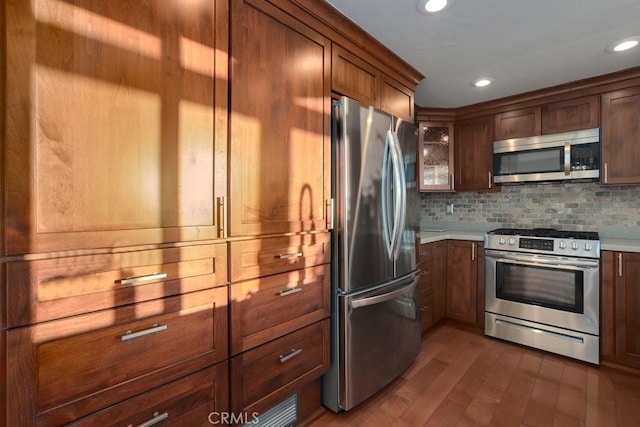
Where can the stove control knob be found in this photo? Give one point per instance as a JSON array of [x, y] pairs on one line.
[[562, 244], [588, 247], [502, 241], [574, 246], [512, 241]]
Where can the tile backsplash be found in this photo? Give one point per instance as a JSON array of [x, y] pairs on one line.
[[582, 206]]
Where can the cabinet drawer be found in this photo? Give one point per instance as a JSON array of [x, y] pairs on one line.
[[50, 289], [99, 359], [266, 308], [188, 402], [426, 278], [262, 257], [265, 374], [427, 311], [425, 252]]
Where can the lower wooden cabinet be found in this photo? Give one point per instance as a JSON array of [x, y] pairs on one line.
[[620, 302], [465, 281], [432, 283], [266, 374], [198, 399], [63, 370]]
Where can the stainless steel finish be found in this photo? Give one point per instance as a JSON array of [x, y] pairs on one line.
[[606, 173], [222, 217], [565, 140], [620, 264], [152, 330], [294, 352], [138, 279], [473, 252], [330, 214], [285, 292], [554, 314], [290, 255], [490, 185], [375, 326], [157, 417], [560, 341]]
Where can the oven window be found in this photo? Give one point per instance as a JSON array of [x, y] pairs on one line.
[[548, 287]]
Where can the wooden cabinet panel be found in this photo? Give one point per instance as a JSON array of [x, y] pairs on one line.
[[432, 283], [620, 135], [113, 113], [265, 374], [355, 78], [627, 301], [262, 257], [462, 280], [69, 368], [280, 147], [50, 289], [572, 114], [474, 154], [517, 123], [266, 308], [397, 99], [186, 402], [440, 281]]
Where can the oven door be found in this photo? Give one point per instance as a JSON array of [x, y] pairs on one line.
[[556, 291]]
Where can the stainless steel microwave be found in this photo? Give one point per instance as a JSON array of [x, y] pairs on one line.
[[560, 156]]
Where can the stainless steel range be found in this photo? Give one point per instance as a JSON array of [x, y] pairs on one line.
[[543, 290]]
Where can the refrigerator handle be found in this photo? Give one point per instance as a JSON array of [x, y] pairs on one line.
[[386, 168], [401, 194], [377, 299]]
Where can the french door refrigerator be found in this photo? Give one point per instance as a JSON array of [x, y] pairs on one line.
[[375, 317]]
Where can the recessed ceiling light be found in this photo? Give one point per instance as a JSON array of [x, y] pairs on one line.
[[623, 45], [429, 7], [485, 81]]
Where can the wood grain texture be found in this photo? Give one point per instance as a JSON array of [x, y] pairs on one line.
[[461, 378], [462, 281], [573, 114], [473, 148], [517, 123]]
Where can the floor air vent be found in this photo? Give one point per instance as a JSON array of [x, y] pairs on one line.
[[283, 414]]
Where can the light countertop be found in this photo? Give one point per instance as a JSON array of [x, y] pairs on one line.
[[606, 243]]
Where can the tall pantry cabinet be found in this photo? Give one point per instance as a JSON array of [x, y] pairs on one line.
[[114, 280]]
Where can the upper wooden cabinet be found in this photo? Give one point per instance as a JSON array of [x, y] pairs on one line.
[[435, 154], [280, 122], [554, 117], [572, 114], [473, 154], [517, 123], [115, 127], [353, 77], [620, 137]]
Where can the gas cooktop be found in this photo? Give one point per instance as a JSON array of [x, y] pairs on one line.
[[581, 244]]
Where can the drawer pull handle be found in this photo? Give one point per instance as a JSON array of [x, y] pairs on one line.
[[137, 279], [294, 353], [152, 330], [285, 292], [157, 417], [290, 255]]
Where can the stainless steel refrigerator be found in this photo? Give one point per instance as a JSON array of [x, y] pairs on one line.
[[375, 318]]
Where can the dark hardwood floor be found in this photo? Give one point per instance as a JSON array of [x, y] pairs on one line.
[[462, 378]]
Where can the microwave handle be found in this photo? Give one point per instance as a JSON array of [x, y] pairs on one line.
[[567, 158]]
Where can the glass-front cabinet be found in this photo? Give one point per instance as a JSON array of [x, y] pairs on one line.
[[436, 156]]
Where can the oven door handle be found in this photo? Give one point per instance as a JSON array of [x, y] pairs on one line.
[[538, 261]]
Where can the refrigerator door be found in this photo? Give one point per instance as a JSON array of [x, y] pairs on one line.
[[407, 134], [365, 203], [379, 339]]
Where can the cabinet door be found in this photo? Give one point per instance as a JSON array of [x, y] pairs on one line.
[[517, 123], [440, 281], [396, 99], [355, 78], [620, 135], [573, 114], [462, 276], [116, 128], [627, 301], [474, 154], [435, 153], [280, 122]]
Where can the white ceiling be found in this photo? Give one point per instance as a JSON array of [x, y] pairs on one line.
[[523, 44]]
